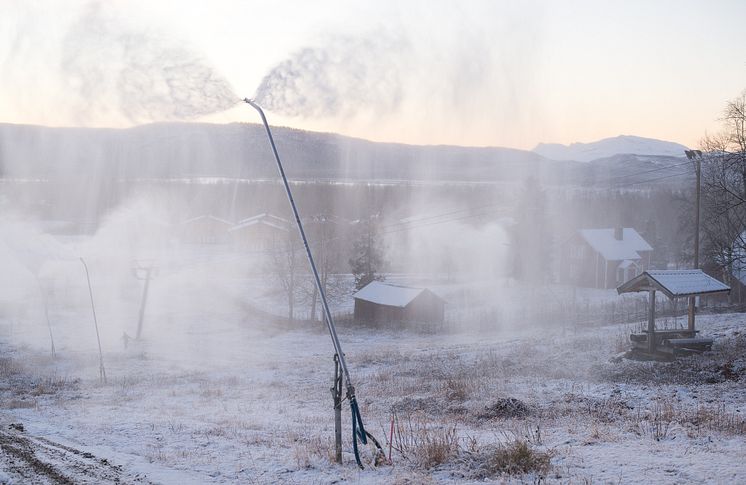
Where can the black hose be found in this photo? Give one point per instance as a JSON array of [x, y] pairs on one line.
[[358, 430]]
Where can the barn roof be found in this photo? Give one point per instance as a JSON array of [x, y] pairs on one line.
[[389, 295], [612, 249], [209, 217], [675, 283], [266, 219]]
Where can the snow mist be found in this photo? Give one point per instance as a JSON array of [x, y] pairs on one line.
[[339, 78], [114, 69]]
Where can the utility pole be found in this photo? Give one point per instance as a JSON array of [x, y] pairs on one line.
[[696, 157], [101, 368], [143, 270]]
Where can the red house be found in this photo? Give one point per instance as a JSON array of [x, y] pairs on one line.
[[382, 302], [604, 258]]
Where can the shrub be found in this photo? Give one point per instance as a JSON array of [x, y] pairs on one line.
[[518, 458]]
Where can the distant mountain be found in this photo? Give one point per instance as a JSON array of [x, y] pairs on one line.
[[609, 147], [184, 150], [633, 171]]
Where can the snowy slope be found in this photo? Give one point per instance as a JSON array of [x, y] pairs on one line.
[[608, 147]]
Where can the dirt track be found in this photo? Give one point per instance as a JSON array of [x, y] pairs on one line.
[[28, 459]]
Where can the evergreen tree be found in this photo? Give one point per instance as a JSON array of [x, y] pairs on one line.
[[531, 240], [367, 259]]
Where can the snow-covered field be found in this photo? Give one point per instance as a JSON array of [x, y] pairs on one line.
[[230, 399]]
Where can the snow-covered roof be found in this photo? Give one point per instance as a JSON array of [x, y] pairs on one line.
[[612, 249], [389, 295], [322, 219], [266, 219], [675, 283], [209, 217]]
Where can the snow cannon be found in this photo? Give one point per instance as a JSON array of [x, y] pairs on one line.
[[359, 432]]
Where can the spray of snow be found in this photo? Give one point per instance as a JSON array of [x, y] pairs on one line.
[[114, 68], [343, 76]]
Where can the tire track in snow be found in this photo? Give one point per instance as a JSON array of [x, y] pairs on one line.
[[29, 459]]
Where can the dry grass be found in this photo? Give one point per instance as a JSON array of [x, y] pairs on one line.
[[665, 414], [308, 451], [423, 442], [656, 422], [19, 404], [718, 418]]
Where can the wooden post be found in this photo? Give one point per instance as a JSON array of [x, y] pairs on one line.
[[596, 275], [692, 312], [606, 274], [651, 322]]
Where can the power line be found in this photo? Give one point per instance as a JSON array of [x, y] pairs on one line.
[[646, 171], [652, 180]]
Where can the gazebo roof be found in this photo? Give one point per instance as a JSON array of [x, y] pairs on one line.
[[675, 283]]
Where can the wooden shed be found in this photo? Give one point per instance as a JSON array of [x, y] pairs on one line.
[[382, 302], [674, 284]]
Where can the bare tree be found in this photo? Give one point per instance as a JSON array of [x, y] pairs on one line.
[[325, 246], [284, 265], [724, 192]]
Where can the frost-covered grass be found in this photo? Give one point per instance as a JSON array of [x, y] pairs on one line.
[[244, 404]]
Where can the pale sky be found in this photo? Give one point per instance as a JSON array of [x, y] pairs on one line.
[[497, 73]]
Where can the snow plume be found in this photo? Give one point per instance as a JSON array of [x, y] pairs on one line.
[[425, 79], [344, 75], [115, 68]]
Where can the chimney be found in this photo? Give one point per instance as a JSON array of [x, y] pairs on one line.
[[618, 233]]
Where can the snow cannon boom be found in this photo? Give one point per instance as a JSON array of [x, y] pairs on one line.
[[358, 430]]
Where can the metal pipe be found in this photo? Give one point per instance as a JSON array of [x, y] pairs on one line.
[[101, 369], [319, 287], [651, 321], [143, 302]]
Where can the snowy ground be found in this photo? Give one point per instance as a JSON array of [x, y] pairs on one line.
[[232, 400]]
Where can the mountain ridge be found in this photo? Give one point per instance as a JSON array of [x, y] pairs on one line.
[[609, 147], [240, 150]]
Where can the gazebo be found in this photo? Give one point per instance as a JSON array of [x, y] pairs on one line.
[[674, 284]]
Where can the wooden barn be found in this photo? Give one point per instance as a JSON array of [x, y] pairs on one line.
[[604, 258], [260, 232], [206, 229], [382, 302]]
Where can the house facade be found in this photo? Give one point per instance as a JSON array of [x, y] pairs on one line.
[[604, 258]]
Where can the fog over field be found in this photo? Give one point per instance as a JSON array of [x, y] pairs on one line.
[[496, 287]]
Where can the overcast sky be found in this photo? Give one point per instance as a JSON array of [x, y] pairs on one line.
[[437, 72]]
